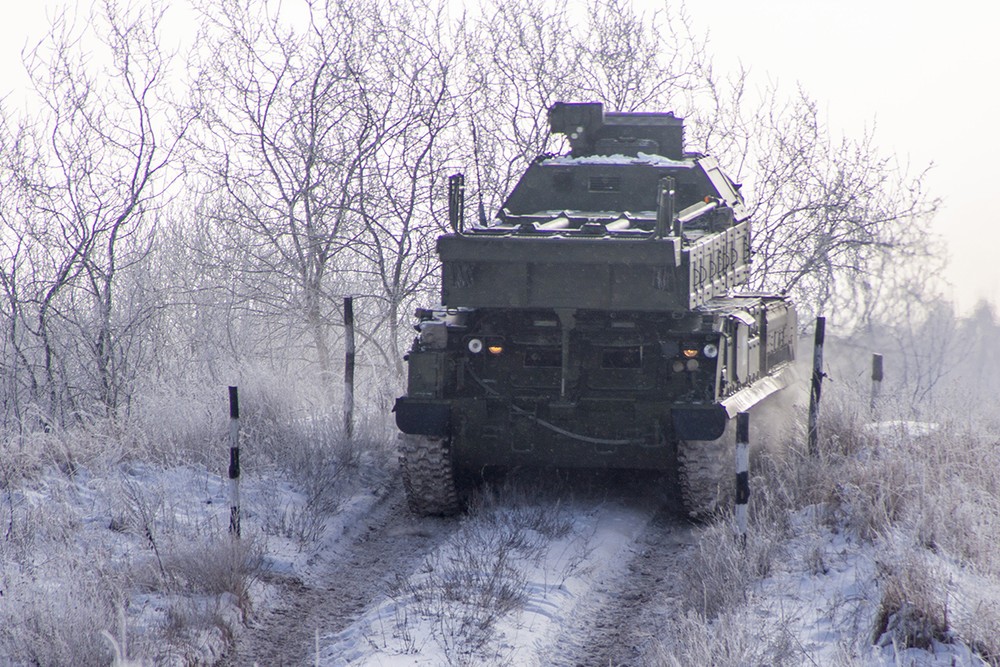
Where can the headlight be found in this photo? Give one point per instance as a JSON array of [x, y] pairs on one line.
[[711, 350], [475, 346]]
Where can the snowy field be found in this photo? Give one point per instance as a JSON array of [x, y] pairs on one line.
[[879, 552]]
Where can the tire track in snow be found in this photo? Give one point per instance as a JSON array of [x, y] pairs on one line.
[[387, 543], [627, 607]]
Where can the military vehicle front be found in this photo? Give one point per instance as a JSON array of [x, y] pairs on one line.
[[596, 322]]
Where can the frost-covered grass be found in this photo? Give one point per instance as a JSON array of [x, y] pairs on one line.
[[505, 584], [114, 534], [119, 537], [880, 549], [114, 542], [452, 611]]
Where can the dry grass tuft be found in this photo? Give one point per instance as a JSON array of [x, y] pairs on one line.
[[480, 575], [91, 521], [926, 495]]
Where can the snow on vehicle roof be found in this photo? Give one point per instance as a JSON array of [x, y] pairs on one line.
[[641, 158]]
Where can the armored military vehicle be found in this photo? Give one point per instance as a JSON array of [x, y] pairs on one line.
[[596, 322]]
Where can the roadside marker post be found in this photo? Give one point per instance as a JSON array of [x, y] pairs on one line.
[[876, 383], [742, 474], [234, 461]]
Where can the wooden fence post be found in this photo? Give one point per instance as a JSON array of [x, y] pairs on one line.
[[349, 352], [234, 461], [817, 386]]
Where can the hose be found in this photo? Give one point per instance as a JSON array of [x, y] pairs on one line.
[[490, 391]]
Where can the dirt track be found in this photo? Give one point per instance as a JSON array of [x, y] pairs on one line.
[[626, 610], [387, 543], [612, 622]]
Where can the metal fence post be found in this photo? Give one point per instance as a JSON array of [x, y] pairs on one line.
[[817, 386], [234, 461]]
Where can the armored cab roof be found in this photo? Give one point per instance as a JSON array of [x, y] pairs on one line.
[[614, 173], [607, 189]]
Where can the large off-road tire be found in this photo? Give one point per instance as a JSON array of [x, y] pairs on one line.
[[428, 475], [706, 471]]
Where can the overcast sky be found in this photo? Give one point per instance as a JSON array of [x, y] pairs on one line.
[[924, 73]]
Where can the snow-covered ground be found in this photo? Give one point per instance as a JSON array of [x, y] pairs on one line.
[[104, 556], [498, 591], [823, 597]]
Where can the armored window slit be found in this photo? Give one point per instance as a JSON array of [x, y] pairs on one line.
[[605, 184]]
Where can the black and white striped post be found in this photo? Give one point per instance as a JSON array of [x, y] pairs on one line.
[[742, 473], [349, 367], [234, 461], [876, 382], [817, 386]]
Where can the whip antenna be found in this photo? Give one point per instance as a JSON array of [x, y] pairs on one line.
[[479, 178]]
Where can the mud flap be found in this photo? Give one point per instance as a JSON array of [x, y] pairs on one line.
[[708, 423], [419, 418]]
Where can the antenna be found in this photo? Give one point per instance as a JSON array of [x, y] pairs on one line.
[[479, 178], [456, 202]]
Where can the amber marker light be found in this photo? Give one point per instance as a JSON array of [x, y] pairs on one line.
[[690, 353], [495, 349]]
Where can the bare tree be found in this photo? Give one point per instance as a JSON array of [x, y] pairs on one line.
[[285, 133], [922, 339], [100, 169], [401, 189], [519, 61], [829, 214], [639, 60], [976, 345], [322, 143], [17, 372]]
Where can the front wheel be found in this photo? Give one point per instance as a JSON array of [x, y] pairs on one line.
[[428, 475], [706, 473]]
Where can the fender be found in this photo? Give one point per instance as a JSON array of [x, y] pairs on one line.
[[422, 418]]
